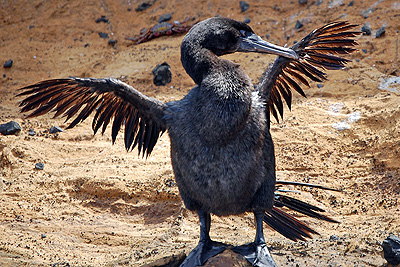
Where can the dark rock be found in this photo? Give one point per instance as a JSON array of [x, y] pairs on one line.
[[43, 235], [244, 6], [320, 85], [112, 42], [333, 238], [31, 27], [380, 32], [31, 132], [319, 2], [4, 75], [228, 258], [366, 29], [169, 261], [303, 2], [246, 20], [165, 17], [145, 5], [11, 127], [391, 249], [103, 35], [8, 63], [367, 12], [102, 19], [39, 166], [351, 3], [298, 25], [162, 74], [55, 129], [365, 50]]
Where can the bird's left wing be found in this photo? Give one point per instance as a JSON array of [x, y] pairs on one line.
[[318, 51], [109, 99]]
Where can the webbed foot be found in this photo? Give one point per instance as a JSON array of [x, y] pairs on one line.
[[257, 254], [200, 254]]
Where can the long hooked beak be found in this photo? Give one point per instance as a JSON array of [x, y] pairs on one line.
[[254, 43]]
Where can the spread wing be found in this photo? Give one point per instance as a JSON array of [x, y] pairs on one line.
[[285, 223], [318, 51], [109, 99]]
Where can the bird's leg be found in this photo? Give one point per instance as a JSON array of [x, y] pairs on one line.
[[206, 247], [257, 252]]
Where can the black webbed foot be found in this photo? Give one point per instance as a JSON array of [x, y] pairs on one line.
[[206, 247], [200, 254], [257, 255]]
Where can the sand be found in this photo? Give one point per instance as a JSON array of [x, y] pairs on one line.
[[94, 204]]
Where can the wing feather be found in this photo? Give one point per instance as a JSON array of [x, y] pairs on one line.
[[317, 52], [109, 99]]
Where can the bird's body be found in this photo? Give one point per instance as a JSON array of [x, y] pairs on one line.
[[221, 148], [207, 150]]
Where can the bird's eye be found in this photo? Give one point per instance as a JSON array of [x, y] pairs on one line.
[[243, 33]]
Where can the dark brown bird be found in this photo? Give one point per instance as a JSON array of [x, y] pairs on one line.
[[221, 148]]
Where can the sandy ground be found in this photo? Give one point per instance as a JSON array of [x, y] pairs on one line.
[[94, 204]]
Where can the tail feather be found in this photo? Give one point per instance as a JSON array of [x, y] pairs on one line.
[[288, 225]]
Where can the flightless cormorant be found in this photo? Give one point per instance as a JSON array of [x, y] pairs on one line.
[[221, 148]]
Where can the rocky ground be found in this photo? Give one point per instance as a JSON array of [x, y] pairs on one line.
[[94, 204]]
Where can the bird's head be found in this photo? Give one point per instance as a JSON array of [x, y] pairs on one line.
[[224, 36]]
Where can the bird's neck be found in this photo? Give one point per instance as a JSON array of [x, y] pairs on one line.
[[211, 72], [224, 94]]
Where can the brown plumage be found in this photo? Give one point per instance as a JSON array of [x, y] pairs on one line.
[[317, 52], [82, 96]]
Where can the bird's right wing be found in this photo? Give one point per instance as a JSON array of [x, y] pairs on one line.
[[108, 99], [318, 51]]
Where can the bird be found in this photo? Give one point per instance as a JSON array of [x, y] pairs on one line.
[[222, 152]]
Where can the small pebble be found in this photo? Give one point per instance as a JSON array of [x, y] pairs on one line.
[[8, 64], [31, 132], [320, 85], [55, 129], [165, 17], [103, 35], [319, 2], [39, 166], [244, 6], [351, 3], [43, 235], [333, 238], [298, 25], [162, 74], [366, 29], [391, 249], [11, 127], [365, 50], [112, 42], [380, 32], [102, 19], [31, 27], [145, 5], [303, 2], [246, 20]]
